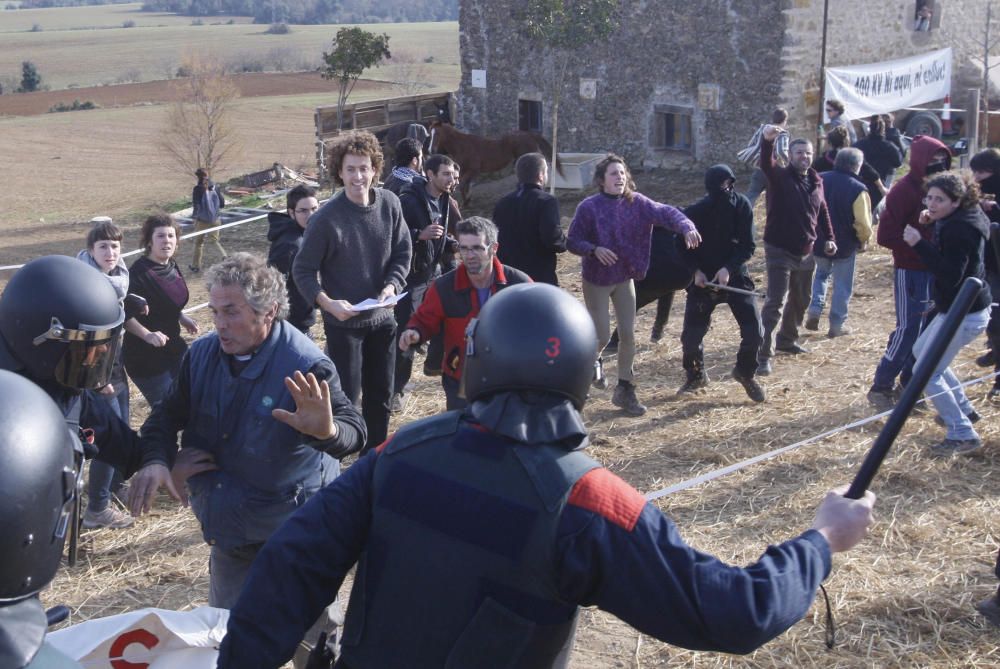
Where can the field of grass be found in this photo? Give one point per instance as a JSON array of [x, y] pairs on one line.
[[96, 16], [70, 57]]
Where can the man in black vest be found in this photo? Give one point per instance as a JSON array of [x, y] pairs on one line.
[[528, 220], [479, 533]]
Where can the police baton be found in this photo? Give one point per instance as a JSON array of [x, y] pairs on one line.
[[911, 393]]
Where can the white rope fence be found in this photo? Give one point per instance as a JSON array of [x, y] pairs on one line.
[[712, 475], [185, 236]]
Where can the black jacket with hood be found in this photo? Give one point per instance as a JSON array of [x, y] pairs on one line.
[[285, 236], [957, 255], [725, 221]]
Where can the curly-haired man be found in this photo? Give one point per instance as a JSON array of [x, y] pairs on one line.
[[357, 246]]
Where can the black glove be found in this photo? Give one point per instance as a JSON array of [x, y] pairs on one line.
[[321, 656]]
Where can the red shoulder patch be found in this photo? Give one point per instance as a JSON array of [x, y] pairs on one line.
[[381, 447], [608, 496]]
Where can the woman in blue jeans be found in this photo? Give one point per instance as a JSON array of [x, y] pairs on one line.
[[960, 233]]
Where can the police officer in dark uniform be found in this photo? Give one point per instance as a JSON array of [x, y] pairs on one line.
[[479, 533], [60, 327], [39, 478]]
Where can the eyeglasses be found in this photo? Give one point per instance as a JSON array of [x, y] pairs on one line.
[[478, 249]]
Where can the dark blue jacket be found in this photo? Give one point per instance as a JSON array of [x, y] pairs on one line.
[[841, 190], [266, 469], [609, 548]]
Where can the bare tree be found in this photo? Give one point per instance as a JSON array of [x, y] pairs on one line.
[[199, 130], [410, 74], [989, 43]]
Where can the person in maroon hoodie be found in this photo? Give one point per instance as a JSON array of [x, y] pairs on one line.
[[911, 281], [795, 209]]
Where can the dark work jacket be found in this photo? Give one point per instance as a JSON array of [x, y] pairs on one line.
[[501, 598], [957, 255], [725, 222], [266, 468], [991, 186], [447, 524], [428, 254], [530, 232], [285, 236], [841, 190], [881, 154]]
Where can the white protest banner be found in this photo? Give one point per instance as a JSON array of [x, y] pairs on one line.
[[877, 88], [148, 638]]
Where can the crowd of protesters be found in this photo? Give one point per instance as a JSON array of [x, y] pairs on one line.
[[395, 269]]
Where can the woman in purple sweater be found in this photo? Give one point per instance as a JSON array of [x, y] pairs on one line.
[[613, 230]]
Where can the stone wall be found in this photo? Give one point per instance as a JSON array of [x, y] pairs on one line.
[[870, 32], [730, 62]]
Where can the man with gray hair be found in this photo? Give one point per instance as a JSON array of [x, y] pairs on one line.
[[255, 444], [850, 212], [456, 297], [527, 220]]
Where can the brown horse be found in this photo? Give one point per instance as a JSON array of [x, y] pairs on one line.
[[480, 155]]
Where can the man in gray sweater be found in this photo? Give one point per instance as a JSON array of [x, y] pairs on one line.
[[356, 247]]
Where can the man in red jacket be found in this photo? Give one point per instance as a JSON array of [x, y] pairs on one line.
[[911, 282], [455, 298]]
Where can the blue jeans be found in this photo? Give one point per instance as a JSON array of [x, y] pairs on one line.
[[104, 477], [952, 405], [912, 291], [155, 388], [842, 272]]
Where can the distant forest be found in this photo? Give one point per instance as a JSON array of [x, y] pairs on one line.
[[291, 11]]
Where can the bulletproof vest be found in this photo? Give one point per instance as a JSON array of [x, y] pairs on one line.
[[459, 568]]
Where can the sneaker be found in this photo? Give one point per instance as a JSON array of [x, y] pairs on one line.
[[624, 397], [110, 517], [838, 331], [990, 608], [812, 323], [986, 359], [957, 446], [693, 383], [764, 367], [881, 399], [600, 381], [397, 403], [754, 391], [973, 417], [994, 394], [794, 349]]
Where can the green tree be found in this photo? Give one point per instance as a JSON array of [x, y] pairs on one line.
[[30, 79], [354, 51], [559, 29]]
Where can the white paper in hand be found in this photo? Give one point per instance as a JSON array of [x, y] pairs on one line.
[[371, 303]]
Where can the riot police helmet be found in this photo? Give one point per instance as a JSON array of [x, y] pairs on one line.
[[38, 482], [531, 337], [61, 319]]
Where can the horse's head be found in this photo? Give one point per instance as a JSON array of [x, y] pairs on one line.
[[444, 112]]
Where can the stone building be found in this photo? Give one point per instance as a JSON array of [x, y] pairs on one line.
[[686, 82]]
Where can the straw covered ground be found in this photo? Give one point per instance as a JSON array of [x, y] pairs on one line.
[[902, 599]]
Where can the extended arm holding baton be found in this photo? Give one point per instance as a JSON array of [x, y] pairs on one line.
[[911, 393], [741, 291]]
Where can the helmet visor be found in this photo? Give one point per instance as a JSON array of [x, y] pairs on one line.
[[89, 354]]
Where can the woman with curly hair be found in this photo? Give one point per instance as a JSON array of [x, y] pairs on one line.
[[960, 233]]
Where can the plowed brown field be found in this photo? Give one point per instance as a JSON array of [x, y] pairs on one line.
[[251, 85]]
